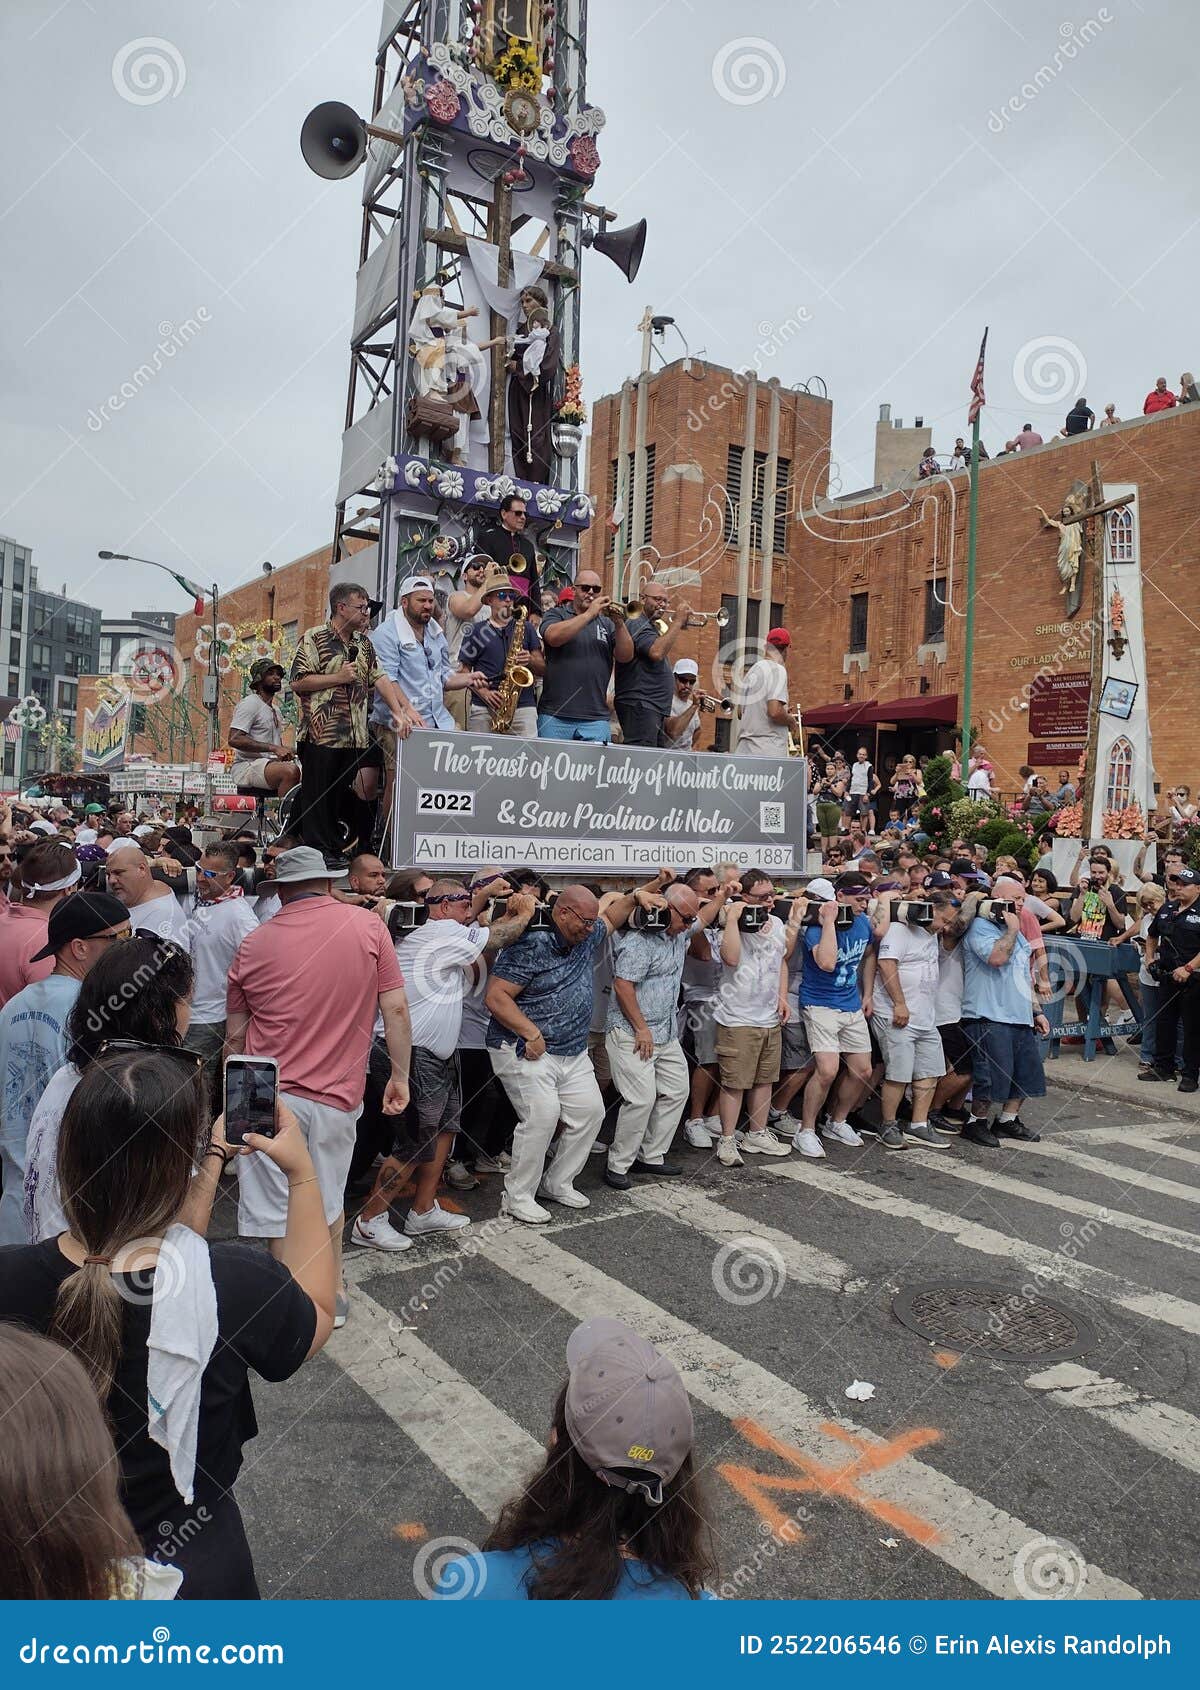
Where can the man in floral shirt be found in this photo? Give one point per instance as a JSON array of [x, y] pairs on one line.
[[334, 675]]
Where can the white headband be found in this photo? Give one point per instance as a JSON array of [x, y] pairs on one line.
[[54, 885]]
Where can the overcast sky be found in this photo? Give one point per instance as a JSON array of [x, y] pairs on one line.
[[847, 190]]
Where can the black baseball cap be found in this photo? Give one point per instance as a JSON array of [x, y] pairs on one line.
[[1185, 877], [938, 881], [80, 916]]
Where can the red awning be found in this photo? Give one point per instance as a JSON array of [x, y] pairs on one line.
[[934, 710], [839, 715]]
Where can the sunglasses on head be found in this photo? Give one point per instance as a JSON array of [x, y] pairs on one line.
[[191, 1057], [449, 898]]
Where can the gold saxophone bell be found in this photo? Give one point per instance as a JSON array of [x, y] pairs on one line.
[[521, 676]]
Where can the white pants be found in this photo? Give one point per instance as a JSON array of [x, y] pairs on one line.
[[544, 1092], [654, 1094]]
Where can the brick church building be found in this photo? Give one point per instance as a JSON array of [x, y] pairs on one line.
[[724, 480]]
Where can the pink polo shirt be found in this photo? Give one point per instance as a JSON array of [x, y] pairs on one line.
[[22, 933], [310, 980]]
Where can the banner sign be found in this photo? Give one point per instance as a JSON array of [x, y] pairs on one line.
[[105, 731], [475, 800], [1058, 707], [170, 780]]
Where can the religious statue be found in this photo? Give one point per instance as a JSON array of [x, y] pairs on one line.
[[1070, 544], [533, 367], [451, 366]]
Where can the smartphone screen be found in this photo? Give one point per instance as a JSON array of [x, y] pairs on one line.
[[251, 1083]]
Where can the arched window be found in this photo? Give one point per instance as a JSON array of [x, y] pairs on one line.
[[1119, 780], [1120, 536]]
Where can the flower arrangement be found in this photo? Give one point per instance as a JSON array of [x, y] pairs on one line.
[[571, 408], [1128, 823], [518, 66], [1116, 612], [1068, 821]]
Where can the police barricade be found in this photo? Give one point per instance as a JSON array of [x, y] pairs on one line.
[[1080, 969], [466, 801]]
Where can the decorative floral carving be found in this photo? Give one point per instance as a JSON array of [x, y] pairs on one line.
[[442, 101], [584, 155], [415, 471], [449, 483], [549, 500], [584, 508]]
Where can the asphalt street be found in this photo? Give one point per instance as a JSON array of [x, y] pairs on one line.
[[965, 1472]]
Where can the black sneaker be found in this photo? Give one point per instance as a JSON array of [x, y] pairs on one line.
[[1188, 1084], [977, 1131], [868, 1129], [619, 1182], [666, 1170], [1015, 1129], [1153, 1074], [945, 1124]]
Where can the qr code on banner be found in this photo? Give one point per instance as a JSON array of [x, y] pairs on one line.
[[770, 818]]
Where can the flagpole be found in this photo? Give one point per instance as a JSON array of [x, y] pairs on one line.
[[969, 629]]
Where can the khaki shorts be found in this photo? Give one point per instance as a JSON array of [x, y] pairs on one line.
[[263, 1187], [841, 1030], [253, 774], [748, 1056]]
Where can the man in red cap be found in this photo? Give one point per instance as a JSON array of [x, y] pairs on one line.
[[765, 725]]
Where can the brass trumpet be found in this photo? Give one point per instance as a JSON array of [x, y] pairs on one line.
[[701, 618], [628, 609]]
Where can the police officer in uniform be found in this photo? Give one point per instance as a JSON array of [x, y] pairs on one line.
[[1173, 944]]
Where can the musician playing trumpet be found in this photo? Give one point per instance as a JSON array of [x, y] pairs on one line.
[[644, 683], [488, 650], [688, 705]]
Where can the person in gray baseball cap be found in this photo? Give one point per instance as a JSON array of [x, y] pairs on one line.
[[616, 1512]]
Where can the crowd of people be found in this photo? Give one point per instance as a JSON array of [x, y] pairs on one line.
[[432, 1033], [1080, 419]]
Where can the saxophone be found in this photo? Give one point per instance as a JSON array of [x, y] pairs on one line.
[[515, 677]]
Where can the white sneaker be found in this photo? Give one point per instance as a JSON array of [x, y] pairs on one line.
[[697, 1134], [765, 1144], [378, 1234], [460, 1177], [490, 1165], [727, 1153], [841, 1132], [437, 1220], [712, 1125], [523, 1209], [599, 1149], [787, 1126], [566, 1195], [807, 1143]]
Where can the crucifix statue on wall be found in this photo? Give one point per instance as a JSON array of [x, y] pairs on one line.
[[1081, 535]]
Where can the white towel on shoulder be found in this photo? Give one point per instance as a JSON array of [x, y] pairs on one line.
[[183, 1335]]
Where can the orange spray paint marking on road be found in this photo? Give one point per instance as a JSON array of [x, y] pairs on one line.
[[812, 1475], [410, 1531]]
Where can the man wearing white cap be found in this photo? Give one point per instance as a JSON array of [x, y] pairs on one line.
[[683, 718]]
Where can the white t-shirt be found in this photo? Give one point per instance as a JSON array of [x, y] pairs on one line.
[[44, 1217], [164, 917], [702, 975], [765, 681], [217, 931], [947, 1005], [434, 959], [915, 952], [266, 905], [259, 720], [685, 740], [748, 995]]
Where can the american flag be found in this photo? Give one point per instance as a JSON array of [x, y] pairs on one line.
[[978, 400], [12, 731]]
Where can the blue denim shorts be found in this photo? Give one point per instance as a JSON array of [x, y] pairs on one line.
[[1005, 1061], [555, 727]]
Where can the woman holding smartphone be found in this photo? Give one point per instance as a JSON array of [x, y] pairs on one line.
[[168, 1326]]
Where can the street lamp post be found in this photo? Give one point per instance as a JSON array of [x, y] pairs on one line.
[[211, 689]]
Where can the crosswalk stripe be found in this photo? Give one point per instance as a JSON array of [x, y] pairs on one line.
[[474, 1443], [1157, 1232], [682, 1203], [1132, 1177], [987, 1241], [1148, 1137], [978, 1539], [1157, 1426]]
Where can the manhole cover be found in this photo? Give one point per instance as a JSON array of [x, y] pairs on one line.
[[1004, 1321]]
